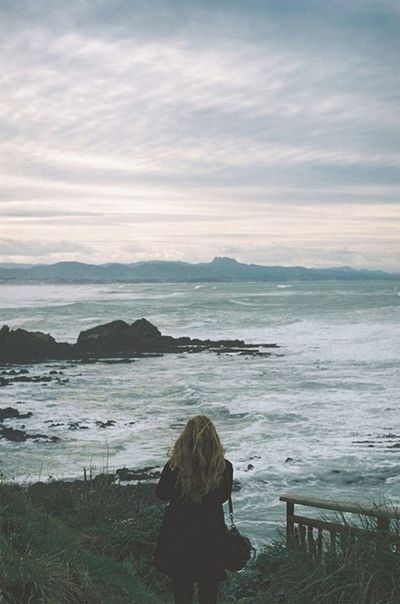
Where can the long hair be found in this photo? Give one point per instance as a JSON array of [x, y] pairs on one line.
[[198, 458]]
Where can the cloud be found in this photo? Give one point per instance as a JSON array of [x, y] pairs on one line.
[[369, 257], [15, 248], [160, 114]]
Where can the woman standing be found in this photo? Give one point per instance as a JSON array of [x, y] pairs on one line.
[[197, 479]]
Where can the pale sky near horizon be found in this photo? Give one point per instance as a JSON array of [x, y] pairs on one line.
[[264, 130]]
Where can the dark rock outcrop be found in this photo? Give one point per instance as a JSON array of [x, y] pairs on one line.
[[17, 436], [116, 339], [107, 424], [10, 412], [32, 378], [119, 338], [19, 345], [14, 372], [148, 473], [74, 426], [13, 434]]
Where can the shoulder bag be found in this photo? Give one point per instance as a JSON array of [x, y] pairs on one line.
[[238, 549]]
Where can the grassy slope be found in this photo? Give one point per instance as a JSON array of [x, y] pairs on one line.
[[93, 542], [79, 542]]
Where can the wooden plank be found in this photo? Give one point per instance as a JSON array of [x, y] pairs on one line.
[[324, 525], [342, 506], [340, 528], [311, 541]]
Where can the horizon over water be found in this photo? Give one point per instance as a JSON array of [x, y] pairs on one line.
[[323, 419]]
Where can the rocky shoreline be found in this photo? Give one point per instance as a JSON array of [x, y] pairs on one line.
[[115, 341], [111, 343], [120, 475]]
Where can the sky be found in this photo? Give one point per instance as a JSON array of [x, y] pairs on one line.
[[264, 130]]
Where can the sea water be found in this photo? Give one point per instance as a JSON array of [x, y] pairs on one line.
[[321, 416]]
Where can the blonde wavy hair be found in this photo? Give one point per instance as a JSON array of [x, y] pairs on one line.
[[198, 458]]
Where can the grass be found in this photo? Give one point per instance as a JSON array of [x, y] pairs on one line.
[[359, 572], [79, 542], [93, 542]]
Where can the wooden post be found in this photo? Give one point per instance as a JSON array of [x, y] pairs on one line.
[[303, 544], [311, 541], [333, 544], [289, 523], [319, 544]]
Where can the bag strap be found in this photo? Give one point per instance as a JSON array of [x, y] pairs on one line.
[[231, 514]]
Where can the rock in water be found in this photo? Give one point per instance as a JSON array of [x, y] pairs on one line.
[[19, 345], [13, 434], [10, 412], [142, 332], [118, 337], [19, 436], [107, 424], [111, 336], [148, 473]]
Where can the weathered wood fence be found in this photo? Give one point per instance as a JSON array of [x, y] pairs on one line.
[[313, 534]]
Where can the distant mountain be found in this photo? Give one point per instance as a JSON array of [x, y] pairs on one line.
[[220, 269]]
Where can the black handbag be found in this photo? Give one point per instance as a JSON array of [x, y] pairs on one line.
[[238, 550]]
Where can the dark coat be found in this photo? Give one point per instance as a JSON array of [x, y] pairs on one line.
[[190, 542]]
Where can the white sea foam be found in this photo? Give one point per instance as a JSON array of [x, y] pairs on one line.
[[300, 419]]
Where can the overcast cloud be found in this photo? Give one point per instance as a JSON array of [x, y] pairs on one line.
[[265, 130]]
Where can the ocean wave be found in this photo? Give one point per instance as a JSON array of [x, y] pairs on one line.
[[340, 364], [241, 302]]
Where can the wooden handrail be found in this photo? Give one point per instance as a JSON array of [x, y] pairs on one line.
[[300, 530], [375, 510]]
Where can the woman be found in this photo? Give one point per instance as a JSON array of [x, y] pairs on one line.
[[197, 479]]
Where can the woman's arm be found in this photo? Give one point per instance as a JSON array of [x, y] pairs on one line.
[[227, 485], [165, 488]]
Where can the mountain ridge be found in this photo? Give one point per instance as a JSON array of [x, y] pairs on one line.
[[221, 268]]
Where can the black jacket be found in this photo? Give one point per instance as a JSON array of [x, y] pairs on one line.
[[190, 541]]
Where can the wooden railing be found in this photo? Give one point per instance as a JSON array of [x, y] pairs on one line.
[[310, 533]]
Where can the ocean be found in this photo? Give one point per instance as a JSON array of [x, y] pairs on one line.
[[321, 416]]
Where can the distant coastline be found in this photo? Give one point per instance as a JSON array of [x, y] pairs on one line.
[[221, 269]]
